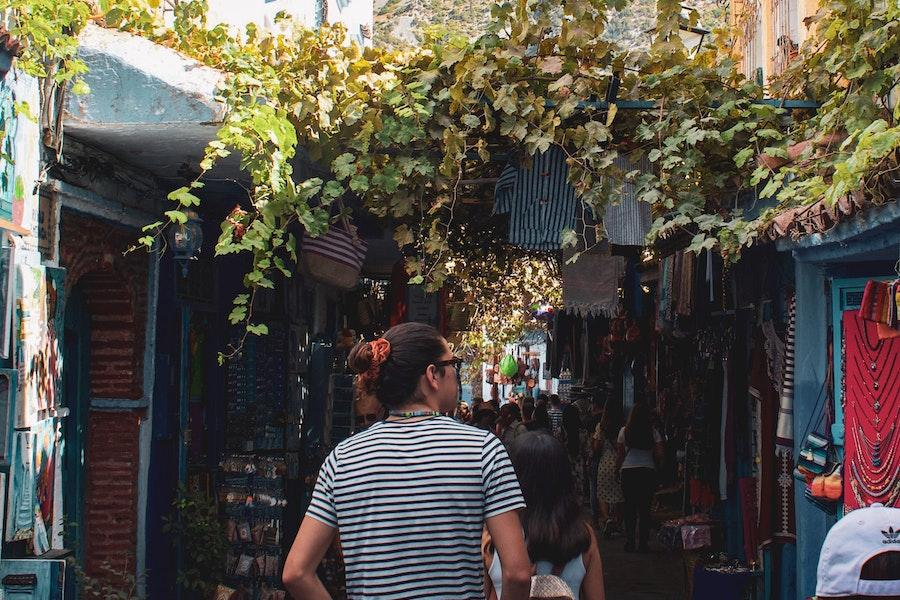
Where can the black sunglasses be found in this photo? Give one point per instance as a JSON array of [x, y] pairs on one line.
[[456, 362]]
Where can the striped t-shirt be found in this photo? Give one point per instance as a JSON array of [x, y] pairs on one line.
[[410, 500]]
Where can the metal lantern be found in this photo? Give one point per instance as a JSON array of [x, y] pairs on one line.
[[187, 240], [692, 36]]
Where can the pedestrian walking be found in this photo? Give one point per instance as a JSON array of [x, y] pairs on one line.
[[609, 492], [560, 539], [510, 424], [555, 412], [639, 448], [541, 421], [410, 495]]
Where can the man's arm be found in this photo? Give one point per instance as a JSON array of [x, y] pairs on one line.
[[508, 539], [310, 546]]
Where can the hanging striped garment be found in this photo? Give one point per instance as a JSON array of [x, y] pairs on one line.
[[627, 220], [784, 528], [539, 200], [784, 437]]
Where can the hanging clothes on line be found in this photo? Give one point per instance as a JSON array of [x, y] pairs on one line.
[[539, 200], [627, 220]]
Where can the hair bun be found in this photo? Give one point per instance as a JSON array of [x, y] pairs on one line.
[[360, 358]]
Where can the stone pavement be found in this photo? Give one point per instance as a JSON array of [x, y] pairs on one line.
[[629, 576]]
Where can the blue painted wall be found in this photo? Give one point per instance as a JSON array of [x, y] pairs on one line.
[[811, 356], [866, 246]]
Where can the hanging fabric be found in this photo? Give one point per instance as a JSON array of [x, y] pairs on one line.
[[627, 220], [881, 303], [684, 302], [664, 304], [784, 437], [590, 284], [769, 497], [871, 415], [539, 200]]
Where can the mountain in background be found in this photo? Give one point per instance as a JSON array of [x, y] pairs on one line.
[[401, 22]]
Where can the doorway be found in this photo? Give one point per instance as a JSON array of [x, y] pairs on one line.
[[76, 382]]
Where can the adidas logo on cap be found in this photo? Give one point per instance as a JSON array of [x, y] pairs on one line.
[[891, 536]]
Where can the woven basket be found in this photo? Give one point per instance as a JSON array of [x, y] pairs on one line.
[[334, 258]]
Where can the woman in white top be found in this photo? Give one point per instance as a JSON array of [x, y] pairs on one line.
[[640, 448], [560, 540]]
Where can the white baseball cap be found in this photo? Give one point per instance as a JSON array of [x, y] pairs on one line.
[[854, 540]]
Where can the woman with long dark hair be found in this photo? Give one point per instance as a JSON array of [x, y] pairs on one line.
[[640, 448], [411, 494], [560, 539]]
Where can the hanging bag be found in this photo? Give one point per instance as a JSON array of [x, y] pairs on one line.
[[336, 257], [818, 466]]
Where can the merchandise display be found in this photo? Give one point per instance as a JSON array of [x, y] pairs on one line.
[[252, 483]]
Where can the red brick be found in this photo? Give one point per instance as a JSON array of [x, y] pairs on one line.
[[115, 287]]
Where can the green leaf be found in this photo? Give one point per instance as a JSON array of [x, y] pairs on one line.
[[176, 216], [470, 121], [344, 166], [259, 329], [81, 88], [741, 158], [237, 314], [359, 183]]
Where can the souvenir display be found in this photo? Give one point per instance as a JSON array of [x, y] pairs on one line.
[[871, 410], [252, 482], [252, 494]]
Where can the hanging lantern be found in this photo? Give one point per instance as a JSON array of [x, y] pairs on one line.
[[692, 36], [187, 240]]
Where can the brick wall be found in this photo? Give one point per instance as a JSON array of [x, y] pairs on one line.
[[111, 495], [115, 286], [115, 290]]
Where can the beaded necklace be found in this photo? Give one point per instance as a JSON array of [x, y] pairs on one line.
[[415, 413]]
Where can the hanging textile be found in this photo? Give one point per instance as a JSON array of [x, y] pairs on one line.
[[590, 284], [627, 220], [871, 414], [749, 516], [785, 432], [881, 303], [769, 492], [538, 199], [775, 354], [784, 437], [723, 438], [684, 300], [664, 306]]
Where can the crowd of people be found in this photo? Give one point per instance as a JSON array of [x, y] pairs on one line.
[[426, 505], [486, 503], [613, 465]]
